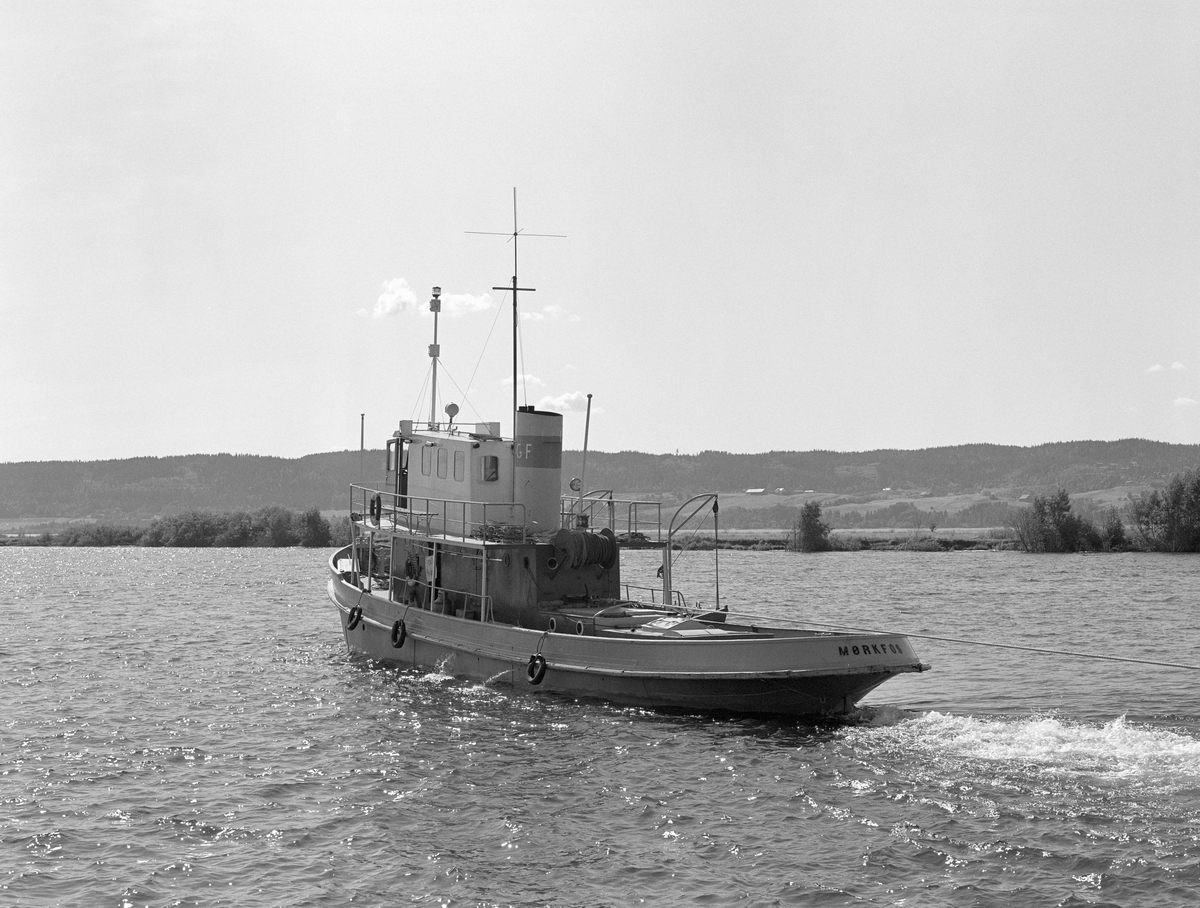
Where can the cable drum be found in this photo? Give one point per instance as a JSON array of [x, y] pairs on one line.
[[576, 548]]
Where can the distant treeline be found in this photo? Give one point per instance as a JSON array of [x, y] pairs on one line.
[[1168, 519], [266, 527], [1164, 520], [899, 515], [907, 514], [138, 488], [1077, 466], [1049, 525]]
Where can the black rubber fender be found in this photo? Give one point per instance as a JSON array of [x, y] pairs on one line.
[[354, 619], [399, 633], [537, 669]]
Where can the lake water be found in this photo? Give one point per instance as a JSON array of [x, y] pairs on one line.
[[184, 727]]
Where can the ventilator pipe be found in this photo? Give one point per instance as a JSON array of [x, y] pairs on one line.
[[581, 520]]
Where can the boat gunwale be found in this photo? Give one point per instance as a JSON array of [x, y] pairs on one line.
[[791, 634], [674, 642]]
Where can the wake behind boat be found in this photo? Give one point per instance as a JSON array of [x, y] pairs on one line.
[[470, 560]]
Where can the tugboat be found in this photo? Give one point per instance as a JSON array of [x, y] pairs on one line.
[[469, 560]]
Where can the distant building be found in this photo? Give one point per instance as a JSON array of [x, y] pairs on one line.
[[756, 491]]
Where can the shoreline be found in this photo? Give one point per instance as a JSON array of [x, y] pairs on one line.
[[884, 539]]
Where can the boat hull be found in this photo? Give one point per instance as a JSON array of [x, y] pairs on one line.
[[797, 673]]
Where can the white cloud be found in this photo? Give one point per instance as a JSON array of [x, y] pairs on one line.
[[526, 380], [1178, 367], [1157, 367], [550, 313], [571, 402], [463, 303], [397, 296], [1184, 402]]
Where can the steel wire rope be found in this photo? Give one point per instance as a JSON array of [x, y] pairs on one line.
[[533, 577], [1053, 652], [421, 394], [462, 392], [483, 349], [686, 547], [961, 640], [521, 351]]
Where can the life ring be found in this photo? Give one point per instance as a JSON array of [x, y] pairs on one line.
[[399, 632], [537, 668], [355, 618]]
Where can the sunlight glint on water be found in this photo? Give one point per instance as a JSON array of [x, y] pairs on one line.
[[184, 727]]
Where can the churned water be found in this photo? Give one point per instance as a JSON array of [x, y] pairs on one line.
[[184, 727]]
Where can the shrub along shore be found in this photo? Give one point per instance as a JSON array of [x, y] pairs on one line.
[[1165, 520], [271, 527]]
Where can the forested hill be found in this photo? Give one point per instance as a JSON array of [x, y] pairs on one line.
[[153, 486], [143, 487], [1077, 466]]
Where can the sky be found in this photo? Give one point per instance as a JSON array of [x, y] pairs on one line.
[[773, 225]]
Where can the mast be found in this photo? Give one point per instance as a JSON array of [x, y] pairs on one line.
[[435, 306], [516, 232], [516, 323]]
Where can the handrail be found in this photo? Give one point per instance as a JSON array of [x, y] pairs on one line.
[[697, 503], [600, 509], [431, 593], [700, 501], [488, 521], [655, 592], [586, 504], [656, 524]]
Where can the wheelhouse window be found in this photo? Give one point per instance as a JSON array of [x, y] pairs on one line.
[[426, 460], [460, 465], [490, 468], [443, 462]]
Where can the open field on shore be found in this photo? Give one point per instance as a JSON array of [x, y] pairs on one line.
[[883, 539], [864, 503], [36, 526]]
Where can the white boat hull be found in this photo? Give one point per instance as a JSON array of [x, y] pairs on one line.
[[792, 672]]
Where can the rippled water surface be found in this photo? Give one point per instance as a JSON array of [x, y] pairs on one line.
[[185, 728]]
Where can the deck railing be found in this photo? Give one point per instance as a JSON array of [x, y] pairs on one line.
[[656, 595], [439, 517], [444, 600], [598, 510]]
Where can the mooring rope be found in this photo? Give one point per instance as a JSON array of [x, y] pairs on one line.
[[1028, 649], [1058, 652]]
